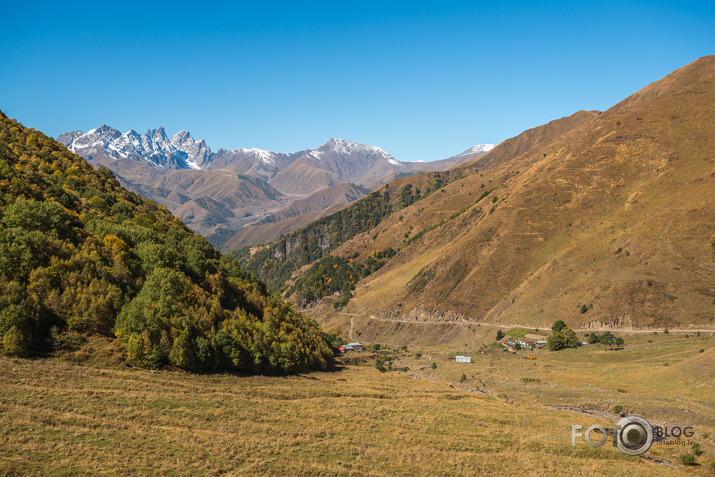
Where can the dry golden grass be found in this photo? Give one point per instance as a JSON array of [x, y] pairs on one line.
[[592, 380], [636, 376], [58, 418]]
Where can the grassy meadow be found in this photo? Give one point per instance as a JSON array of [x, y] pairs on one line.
[[664, 376], [65, 418]]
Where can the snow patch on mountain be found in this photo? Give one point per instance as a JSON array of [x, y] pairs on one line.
[[478, 149], [354, 149], [267, 157]]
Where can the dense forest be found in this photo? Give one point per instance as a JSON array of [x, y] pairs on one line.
[[79, 254], [331, 275]]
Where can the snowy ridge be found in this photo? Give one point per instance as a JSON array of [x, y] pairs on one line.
[[153, 147], [182, 151], [354, 149], [267, 157], [478, 149]]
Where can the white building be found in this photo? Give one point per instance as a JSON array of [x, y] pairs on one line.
[[463, 359]]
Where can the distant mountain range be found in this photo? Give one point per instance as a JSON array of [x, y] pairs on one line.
[[226, 190], [344, 161]]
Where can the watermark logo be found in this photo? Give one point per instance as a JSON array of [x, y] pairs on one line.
[[633, 435]]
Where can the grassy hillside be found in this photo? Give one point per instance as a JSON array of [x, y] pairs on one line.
[[614, 212], [80, 255]]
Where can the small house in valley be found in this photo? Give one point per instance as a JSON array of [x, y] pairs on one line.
[[526, 343], [355, 346], [463, 359]]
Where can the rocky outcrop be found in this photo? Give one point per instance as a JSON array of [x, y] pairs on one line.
[[623, 322], [422, 314]]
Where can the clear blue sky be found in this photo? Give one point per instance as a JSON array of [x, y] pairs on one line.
[[422, 80]]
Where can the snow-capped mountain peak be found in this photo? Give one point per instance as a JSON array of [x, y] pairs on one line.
[[478, 149], [92, 141], [153, 147], [198, 153], [182, 138], [355, 150], [266, 157]]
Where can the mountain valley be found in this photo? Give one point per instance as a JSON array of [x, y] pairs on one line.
[[595, 229]]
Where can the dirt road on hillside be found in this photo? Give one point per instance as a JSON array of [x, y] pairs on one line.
[[516, 325]]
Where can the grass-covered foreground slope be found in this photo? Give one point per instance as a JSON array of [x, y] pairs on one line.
[[64, 419], [81, 254]]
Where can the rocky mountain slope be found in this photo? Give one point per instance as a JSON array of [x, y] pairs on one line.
[[599, 219]]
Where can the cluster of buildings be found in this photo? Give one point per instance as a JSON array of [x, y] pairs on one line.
[[528, 341], [349, 347]]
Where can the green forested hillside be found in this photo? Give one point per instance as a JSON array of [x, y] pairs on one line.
[[277, 262], [80, 254], [336, 274]]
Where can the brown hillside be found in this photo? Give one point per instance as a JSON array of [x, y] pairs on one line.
[[297, 214], [338, 194], [528, 139], [302, 179], [614, 212], [202, 199], [503, 152]]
